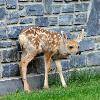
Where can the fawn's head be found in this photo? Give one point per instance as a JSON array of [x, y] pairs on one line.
[[72, 45]]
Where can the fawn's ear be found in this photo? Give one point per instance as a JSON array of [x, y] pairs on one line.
[[80, 36], [64, 35]]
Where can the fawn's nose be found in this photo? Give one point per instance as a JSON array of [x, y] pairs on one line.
[[78, 47], [78, 53]]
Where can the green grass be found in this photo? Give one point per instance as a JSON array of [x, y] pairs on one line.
[[80, 87]]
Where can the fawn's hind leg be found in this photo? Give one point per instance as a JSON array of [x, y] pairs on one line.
[[25, 59]]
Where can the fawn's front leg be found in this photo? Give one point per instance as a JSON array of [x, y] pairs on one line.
[[59, 69], [47, 58]]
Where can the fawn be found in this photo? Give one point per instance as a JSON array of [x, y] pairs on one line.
[[34, 40]]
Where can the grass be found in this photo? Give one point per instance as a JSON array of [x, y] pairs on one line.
[[80, 87]]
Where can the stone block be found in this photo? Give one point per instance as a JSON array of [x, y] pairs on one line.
[[10, 70], [65, 64], [65, 20], [97, 46], [52, 21], [2, 13], [68, 8], [80, 19], [22, 13], [5, 44], [26, 20], [35, 10], [93, 58], [3, 34], [13, 17], [11, 85], [2, 2], [2, 24], [48, 6], [41, 21], [56, 9], [20, 7], [9, 55], [86, 44], [81, 7], [13, 32], [11, 4], [77, 61]]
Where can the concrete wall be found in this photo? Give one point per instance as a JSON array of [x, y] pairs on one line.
[[56, 15]]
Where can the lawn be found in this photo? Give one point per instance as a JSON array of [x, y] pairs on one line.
[[79, 88]]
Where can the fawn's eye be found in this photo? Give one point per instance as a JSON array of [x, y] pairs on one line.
[[78, 47], [71, 47]]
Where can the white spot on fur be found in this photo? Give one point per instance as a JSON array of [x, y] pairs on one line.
[[43, 33], [55, 36]]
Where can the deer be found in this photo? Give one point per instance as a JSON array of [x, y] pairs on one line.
[[34, 40]]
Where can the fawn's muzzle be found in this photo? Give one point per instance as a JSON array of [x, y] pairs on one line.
[[78, 53]]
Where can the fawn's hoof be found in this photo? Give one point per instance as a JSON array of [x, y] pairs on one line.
[[65, 86], [46, 87], [27, 90]]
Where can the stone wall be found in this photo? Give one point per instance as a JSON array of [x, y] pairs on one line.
[[56, 15]]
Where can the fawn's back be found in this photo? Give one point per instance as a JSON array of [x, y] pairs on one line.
[[39, 40]]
